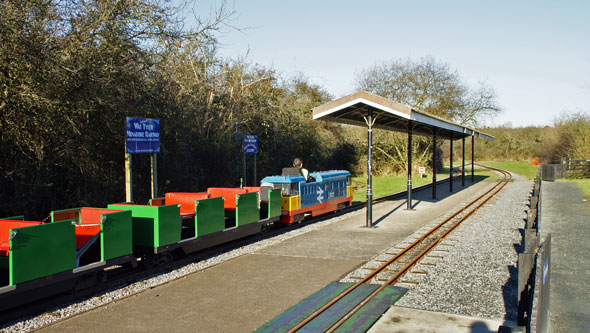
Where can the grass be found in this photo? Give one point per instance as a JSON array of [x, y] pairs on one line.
[[522, 168], [583, 184], [384, 185], [387, 185]]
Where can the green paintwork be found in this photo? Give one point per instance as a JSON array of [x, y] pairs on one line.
[[359, 322], [247, 208], [14, 218], [209, 216], [153, 226], [305, 308], [274, 203], [116, 235], [337, 310], [364, 318], [42, 250]]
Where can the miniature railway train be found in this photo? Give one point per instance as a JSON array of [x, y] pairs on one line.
[[40, 259]]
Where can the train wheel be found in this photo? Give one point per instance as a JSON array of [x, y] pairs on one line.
[[87, 281], [151, 261], [298, 218]]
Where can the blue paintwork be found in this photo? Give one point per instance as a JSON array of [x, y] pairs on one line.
[[282, 179], [328, 186]]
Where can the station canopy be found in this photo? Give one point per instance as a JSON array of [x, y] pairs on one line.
[[389, 115]]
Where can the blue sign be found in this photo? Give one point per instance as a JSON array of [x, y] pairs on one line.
[[250, 144], [143, 135]]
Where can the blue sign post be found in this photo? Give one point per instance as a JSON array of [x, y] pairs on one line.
[[143, 137], [250, 144], [250, 147]]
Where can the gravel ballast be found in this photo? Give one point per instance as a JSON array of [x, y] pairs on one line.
[[242, 247], [475, 274]]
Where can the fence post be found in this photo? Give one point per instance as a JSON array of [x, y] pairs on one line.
[[541, 296], [526, 278]]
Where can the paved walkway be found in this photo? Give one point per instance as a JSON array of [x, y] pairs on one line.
[[566, 216], [242, 294]]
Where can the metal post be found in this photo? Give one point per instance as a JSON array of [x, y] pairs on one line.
[[154, 170], [433, 165], [128, 177], [472, 158], [369, 222], [463, 166], [409, 201], [254, 170], [244, 165], [451, 168], [238, 136]]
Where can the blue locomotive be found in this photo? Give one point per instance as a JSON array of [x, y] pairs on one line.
[[327, 191]]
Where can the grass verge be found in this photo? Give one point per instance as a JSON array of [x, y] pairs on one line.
[[583, 183], [522, 168], [388, 185]]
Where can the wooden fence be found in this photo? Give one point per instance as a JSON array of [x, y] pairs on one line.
[[577, 168], [533, 269]]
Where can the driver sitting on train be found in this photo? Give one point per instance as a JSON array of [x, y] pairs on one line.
[[298, 163]]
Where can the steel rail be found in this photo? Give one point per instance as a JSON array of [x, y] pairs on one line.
[[42, 305], [421, 255], [396, 257]]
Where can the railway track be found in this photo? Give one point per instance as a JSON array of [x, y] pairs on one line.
[[123, 276], [393, 269]]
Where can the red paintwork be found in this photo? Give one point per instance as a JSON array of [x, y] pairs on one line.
[[5, 226], [84, 233], [228, 193], [91, 216], [186, 200], [315, 210], [158, 202]]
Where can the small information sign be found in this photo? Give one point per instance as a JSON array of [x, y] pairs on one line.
[[250, 144], [143, 135], [421, 171]]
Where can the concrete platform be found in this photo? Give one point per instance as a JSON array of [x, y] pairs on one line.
[[402, 320], [566, 216], [242, 294]]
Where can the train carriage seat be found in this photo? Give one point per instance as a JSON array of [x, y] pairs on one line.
[[263, 194], [229, 195], [90, 224], [157, 201], [93, 215], [186, 201], [5, 226], [84, 233]]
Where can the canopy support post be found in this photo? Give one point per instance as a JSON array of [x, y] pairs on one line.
[[472, 158], [433, 165], [370, 121], [409, 201], [451, 167], [463, 166]]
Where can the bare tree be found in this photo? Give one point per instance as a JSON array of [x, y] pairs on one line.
[[431, 86]]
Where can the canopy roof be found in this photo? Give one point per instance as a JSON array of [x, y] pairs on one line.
[[389, 115]]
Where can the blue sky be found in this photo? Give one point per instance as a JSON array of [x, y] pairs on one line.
[[536, 54]]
